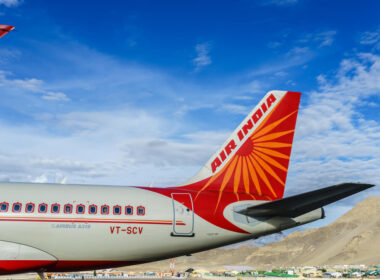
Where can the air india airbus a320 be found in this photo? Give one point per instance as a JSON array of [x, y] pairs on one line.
[[236, 196]]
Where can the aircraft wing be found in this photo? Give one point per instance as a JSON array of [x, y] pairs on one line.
[[297, 205]]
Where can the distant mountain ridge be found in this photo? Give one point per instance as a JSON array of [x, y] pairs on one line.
[[354, 238]]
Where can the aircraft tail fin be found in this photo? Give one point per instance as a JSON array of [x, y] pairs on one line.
[[253, 162]]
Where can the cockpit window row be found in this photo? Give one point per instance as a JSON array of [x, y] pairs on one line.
[[69, 208]]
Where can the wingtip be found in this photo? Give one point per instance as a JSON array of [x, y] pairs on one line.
[[362, 186], [358, 183], [365, 185]]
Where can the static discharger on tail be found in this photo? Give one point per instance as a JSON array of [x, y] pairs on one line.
[[236, 196]]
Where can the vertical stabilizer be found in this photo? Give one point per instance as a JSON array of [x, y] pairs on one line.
[[254, 159]]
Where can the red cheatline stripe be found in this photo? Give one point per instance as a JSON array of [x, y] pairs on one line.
[[150, 222], [12, 266]]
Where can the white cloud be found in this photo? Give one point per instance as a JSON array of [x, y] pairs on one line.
[[298, 51], [124, 146], [114, 84], [335, 141], [325, 38], [321, 38], [31, 85], [296, 56], [93, 141], [168, 152], [370, 37], [10, 3], [203, 58], [281, 74], [55, 96], [236, 109], [84, 154]]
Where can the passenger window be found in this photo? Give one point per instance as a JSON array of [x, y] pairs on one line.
[[68, 209], [16, 207], [128, 210], [141, 210], [105, 210], [93, 209], [42, 208], [29, 208], [117, 210], [55, 208], [80, 209], [4, 207]]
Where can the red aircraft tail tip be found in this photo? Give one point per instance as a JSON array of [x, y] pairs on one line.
[[4, 29]]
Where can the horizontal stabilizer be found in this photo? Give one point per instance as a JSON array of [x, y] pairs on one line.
[[297, 205]]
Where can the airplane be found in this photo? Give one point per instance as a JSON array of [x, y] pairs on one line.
[[236, 196], [4, 29]]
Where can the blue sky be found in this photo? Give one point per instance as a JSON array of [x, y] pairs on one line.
[[141, 92]]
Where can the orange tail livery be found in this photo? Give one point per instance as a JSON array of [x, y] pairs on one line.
[[252, 164]]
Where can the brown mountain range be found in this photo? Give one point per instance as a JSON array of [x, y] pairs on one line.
[[354, 238]]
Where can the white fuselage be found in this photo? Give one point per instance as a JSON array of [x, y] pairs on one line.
[[69, 239]]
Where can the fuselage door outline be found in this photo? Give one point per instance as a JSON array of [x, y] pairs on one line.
[[183, 215]]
